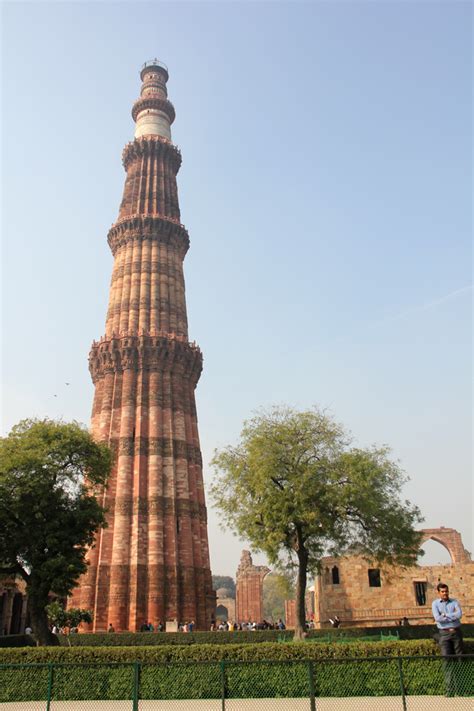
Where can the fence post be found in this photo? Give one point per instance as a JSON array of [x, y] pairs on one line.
[[402, 683], [50, 686], [136, 685], [223, 690], [312, 700]]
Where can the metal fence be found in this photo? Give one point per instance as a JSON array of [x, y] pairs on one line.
[[384, 683]]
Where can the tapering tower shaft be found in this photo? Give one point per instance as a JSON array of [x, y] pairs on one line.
[[152, 561]]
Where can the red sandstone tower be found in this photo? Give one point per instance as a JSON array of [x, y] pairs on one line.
[[152, 562]]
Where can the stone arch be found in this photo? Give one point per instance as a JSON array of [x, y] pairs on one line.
[[222, 613], [450, 539], [249, 589]]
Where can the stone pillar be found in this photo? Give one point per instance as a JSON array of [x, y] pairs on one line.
[[24, 612], [151, 563], [290, 614], [7, 604]]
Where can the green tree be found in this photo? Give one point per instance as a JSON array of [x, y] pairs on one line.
[[223, 581], [276, 589], [303, 493], [48, 511], [72, 617]]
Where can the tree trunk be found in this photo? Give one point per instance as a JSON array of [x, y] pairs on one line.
[[300, 622], [39, 622]]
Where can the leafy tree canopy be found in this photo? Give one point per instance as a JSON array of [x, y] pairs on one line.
[[72, 617], [223, 581], [48, 512], [276, 589], [303, 493]]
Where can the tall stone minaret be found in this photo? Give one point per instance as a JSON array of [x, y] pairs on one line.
[[152, 562]]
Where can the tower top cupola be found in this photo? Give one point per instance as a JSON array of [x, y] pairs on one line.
[[152, 112], [153, 66]]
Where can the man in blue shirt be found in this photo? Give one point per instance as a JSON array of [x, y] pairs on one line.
[[447, 614]]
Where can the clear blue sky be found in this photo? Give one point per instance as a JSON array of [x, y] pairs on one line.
[[326, 186]]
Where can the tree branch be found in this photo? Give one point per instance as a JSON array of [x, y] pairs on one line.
[[16, 569], [277, 483]]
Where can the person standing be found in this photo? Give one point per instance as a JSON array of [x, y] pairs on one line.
[[447, 614]]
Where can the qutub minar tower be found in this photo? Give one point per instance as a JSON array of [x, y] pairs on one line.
[[151, 563]]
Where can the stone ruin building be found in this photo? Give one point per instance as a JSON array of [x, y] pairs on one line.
[[364, 595], [249, 590]]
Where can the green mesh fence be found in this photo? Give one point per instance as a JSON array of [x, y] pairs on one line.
[[403, 683], [186, 686]]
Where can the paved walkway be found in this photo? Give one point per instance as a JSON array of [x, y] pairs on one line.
[[379, 703]]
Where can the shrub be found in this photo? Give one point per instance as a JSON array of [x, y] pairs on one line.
[[213, 652], [149, 639], [137, 639], [17, 640]]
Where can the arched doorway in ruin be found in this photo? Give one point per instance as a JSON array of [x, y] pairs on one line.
[[222, 613]]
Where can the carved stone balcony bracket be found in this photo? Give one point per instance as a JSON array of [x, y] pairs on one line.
[[152, 227], [165, 353], [154, 102], [151, 146]]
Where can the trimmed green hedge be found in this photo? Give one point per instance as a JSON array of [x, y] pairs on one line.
[[136, 639], [212, 652], [151, 639], [420, 631], [148, 639]]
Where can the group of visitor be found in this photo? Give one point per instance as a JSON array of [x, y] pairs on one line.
[[147, 627], [63, 630], [186, 626], [230, 626], [150, 627]]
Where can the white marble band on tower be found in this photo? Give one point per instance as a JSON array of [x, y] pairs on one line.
[[152, 122], [152, 109]]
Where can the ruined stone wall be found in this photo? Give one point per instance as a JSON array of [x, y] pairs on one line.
[[344, 587], [249, 590]]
